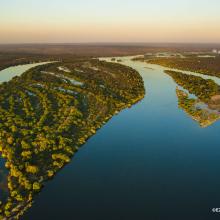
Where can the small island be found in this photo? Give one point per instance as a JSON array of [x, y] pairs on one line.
[[204, 106]]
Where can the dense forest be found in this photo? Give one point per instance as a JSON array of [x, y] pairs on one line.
[[8, 59], [204, 107], [205, 65], [47, 113], [100, 49], [204, 89]]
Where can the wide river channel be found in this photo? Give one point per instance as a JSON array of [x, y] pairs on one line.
[[150, 162]]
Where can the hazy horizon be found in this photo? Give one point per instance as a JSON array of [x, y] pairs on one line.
[[153, 44], [158, 21]]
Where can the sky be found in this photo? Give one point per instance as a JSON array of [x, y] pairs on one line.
[[85, 21]]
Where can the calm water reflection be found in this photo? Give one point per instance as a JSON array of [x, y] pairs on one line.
[[149, 162]]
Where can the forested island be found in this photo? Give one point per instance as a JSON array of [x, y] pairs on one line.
[[204, 65], [204, 107], [48, 112]]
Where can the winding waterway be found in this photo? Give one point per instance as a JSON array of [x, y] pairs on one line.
[[151, 161], [8, 73]]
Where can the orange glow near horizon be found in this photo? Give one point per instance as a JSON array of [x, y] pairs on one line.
[[109, 24]]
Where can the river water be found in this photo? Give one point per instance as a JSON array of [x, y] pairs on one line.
[[151, 161], [8, 73]]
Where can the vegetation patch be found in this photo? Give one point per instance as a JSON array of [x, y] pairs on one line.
[[205, 107], [204, 65], [45, 118]]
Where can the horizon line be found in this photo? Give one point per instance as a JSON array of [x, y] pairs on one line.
[[110, 43]]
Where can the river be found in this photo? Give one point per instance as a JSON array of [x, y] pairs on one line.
[[151, 161], [8, 73]]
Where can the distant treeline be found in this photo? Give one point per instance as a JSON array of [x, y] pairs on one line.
[[206, 65]]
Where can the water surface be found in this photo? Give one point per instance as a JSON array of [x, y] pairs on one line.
[[151, 161], [8, 73]]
